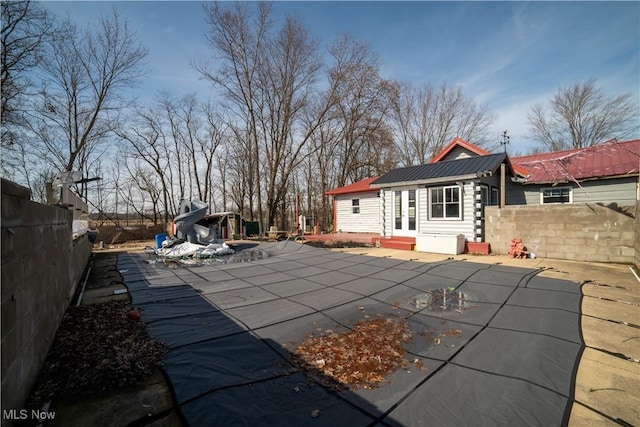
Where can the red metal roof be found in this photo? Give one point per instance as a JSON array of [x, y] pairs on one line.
[[602, 160], [357, 187], [458, 142]]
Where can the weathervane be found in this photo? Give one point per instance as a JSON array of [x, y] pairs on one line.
[[505, 140]]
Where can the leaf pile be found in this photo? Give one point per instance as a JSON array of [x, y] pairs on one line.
[[97, 348], [362, 357]]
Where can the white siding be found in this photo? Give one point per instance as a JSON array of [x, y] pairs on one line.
[[463, 226], [367, 221]]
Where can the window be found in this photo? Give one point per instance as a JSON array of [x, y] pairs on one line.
[[445, 202], [412, 209], [556, 195], [484, 195], [495, 197], [355, 206], [397, 210]]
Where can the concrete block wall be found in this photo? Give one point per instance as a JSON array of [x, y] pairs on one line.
[[636, 260], [579, 232], [41, 268]]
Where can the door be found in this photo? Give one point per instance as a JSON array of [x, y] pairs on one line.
[[404, 213]]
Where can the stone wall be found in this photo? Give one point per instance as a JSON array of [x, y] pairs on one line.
[[580, 232], [41, 268]]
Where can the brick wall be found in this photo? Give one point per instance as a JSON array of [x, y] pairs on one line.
[[580, 232], [41, 268]]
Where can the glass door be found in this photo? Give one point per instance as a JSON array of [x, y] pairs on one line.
[[405, 209]]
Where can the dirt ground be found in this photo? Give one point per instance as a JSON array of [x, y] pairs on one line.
[[112, 235]]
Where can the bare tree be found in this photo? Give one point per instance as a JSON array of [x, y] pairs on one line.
[[26, 28], [360, 110], [148, 142], [239, 43], [143, 184], [426, 118], [322, 169], [267, 76], [85, 79], [582, 115], [214, 135]]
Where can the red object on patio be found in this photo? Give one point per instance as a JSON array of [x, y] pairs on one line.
[[396, 242], [477, 248], [517, 249]]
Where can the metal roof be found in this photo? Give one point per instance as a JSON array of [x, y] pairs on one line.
[[448, 169], [357, 187], [599, 161]]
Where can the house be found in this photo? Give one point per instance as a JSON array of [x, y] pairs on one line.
[[444, 198], [605, 173], [356, 207]]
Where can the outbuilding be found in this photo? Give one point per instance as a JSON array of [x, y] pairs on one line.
[[356, 207]]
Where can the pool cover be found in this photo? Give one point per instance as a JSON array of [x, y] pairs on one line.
[[230, 327]]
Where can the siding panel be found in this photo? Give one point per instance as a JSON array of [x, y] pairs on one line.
[[616, 190], [367, 221], [464, 226]]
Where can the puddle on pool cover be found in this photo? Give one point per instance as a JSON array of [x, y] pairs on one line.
[[440, 300]]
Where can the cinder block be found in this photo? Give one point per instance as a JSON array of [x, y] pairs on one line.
[[556, 225], [556, 240], [600, 258], [589, 249], [585, 234], [9, 314], [627, 235], [10, 350], [623, 251], [557, 255], [570, 255], [571, 241], [11, 211]]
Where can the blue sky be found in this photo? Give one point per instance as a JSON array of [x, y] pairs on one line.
[[508, 55]]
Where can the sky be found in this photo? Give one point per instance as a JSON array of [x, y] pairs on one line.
[[506, 55]]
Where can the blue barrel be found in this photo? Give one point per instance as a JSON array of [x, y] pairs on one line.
[[159, 239]]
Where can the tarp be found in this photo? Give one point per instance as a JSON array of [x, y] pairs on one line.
[[187, 249], [230, 328]]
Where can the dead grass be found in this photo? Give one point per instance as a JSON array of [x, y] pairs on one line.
[[110, 234]]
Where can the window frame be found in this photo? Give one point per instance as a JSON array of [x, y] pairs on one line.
[[569, 201], [494, 201], [444, 203], [355, 206]]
